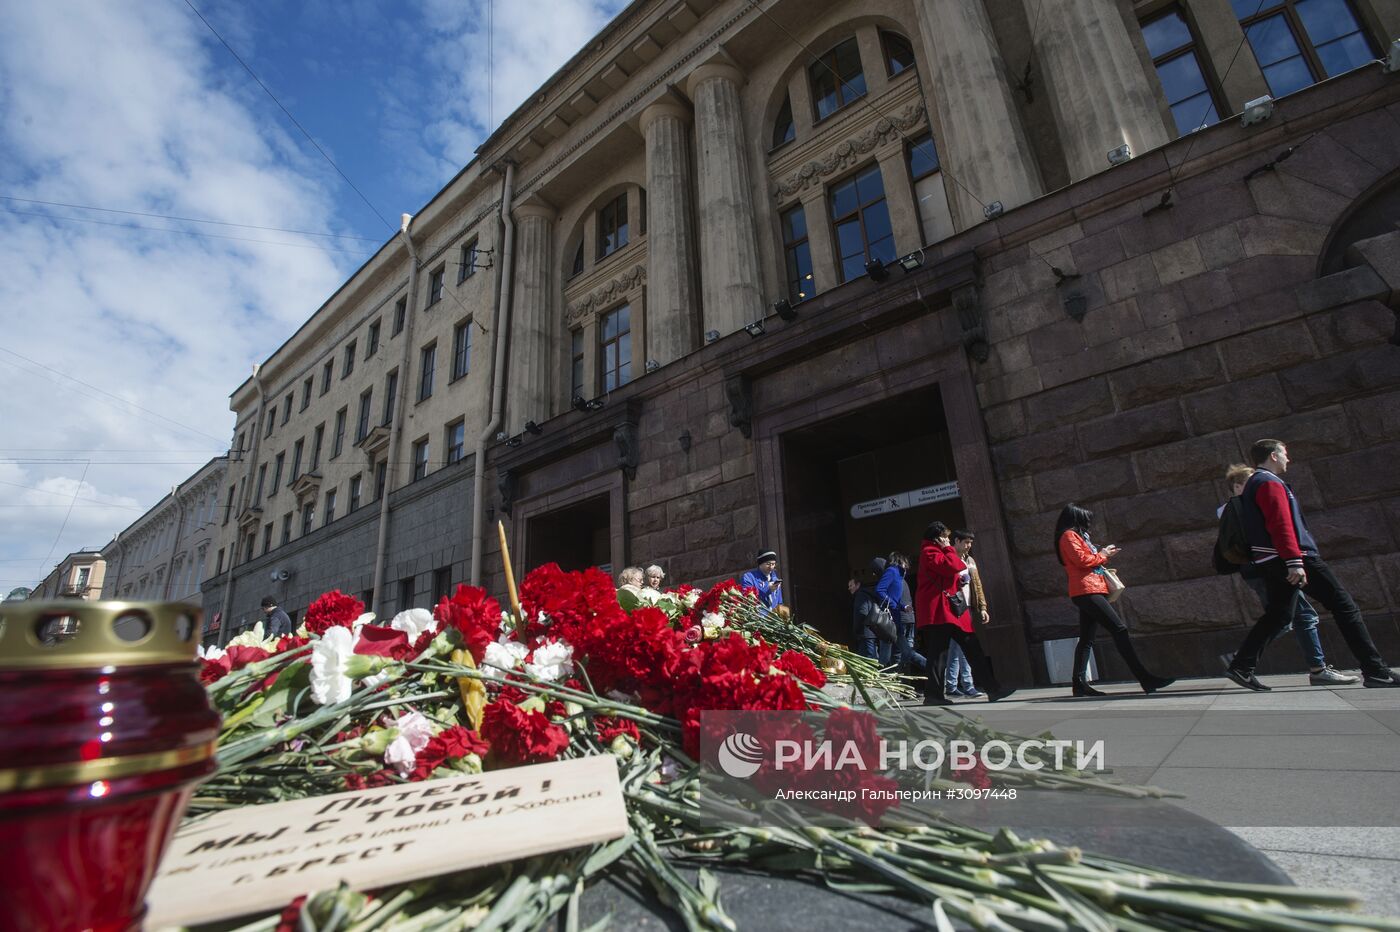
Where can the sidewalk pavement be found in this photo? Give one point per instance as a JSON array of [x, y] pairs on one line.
[[1282, 756]]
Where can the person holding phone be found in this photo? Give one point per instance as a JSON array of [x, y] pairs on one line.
[[1088, 590], [764, 579], [939, 624]]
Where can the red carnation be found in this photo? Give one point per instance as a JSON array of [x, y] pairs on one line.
[[290, 642], [240, 656], [211, 671], [446, 746], [383, 641], [333, 608], [290, 920], [800, 665], [609, 727], [475, 615], [520, 737]]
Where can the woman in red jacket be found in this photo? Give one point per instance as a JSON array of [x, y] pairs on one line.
[[939, 566], [1088, 590]]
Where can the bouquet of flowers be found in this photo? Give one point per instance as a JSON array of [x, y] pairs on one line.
[[570, 670]]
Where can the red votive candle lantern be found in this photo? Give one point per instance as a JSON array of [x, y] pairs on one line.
[[105, 729]]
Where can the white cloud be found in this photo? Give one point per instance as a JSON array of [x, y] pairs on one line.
[[130, 105]]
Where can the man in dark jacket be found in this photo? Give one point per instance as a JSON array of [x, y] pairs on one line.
[[278, 624], [1286, 556], [866, 602], [895, 583]]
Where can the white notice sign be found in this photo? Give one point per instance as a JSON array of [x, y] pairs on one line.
[[902, 500], [260, 858]]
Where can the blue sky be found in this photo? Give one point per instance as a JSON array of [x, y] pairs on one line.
[[123, 335]]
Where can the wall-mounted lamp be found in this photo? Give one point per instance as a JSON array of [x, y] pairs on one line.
[[993, 210], [876, 270], [533, 428], [652, 365], [1392, 61], [755, 329], [581, 405], [502, 436], [1257, 110], [784, 309], [1120, 155], [912, 261], [711, 336], [515, 441]]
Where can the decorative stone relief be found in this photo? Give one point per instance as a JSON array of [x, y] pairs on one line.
[[739, 391], [628, 448], [847, 153], [602, 297], [505, 488], [967, 301]]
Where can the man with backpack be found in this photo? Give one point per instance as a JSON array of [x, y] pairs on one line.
[[1320, 672], [1285, 554]]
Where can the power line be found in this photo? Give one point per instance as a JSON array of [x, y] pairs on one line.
[[298, 125], [137, 226], [222, 223], [61, 374], [35, 488], [64, 526]]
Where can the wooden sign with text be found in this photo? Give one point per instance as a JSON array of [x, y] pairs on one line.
[[260, 858]]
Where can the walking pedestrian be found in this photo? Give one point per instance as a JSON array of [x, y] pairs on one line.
[[867, 602], [764, 580], [937, 622], [1304, 624], [957, 679], [1286, 555], [907, 656], [278, 622], [1088, 590]]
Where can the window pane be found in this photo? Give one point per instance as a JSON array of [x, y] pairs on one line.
[[849, 241], [1344, 54], [823, 89], [624, 374], [1272, 40], [843, 199], [1244, 9], [899, 55], [869, 185], [1288, 76], [783, 128], [609, 326], [1166, 33], [624, 317], [848, 67], [1193, 113], [853, 267], [923, 157], [800, 273], [620, 239], [1181, 77], [877, 223], [624, 349], [794, 224], [1325, 20]]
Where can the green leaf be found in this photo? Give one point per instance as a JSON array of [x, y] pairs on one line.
[[279, 697]]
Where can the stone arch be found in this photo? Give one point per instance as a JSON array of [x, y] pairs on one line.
[[581, 231], [1375, 212]]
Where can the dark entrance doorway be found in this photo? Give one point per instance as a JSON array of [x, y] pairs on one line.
[[859, 486], [575, 537]]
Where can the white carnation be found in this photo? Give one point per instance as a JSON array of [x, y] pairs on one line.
[[330, 661], [712, 620], [209, 653], [505, 654], [414, 622], [552, 661]]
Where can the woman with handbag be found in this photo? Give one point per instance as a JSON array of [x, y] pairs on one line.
[[873, 625], [942, 617], [1091, 589]]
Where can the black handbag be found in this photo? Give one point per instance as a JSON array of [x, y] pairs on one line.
[[957, 604], [881, 621]]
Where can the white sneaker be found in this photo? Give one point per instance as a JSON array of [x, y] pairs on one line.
[[1328, 676]]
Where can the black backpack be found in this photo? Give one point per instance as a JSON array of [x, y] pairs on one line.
[[1232, 548]]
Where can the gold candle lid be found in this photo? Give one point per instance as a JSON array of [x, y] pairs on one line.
[[76, 634]]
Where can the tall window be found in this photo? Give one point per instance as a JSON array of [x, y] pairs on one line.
[[784, 130], [271, 421], [442, 583], [287, 528], [836, 78], [391, 395], [267, 537], [615, 336], [400, 313], [466, 264], [577, 267], [454, 443], [308, 518], [287, 408], [1298, 42], [935, 219], [427, 361], [228, 509], [381, 475], [801, 286], [372, 342], [576, 362], [247, 552], [277, 472], [612, 226], [218, 564], [362, 423], [435, 284], [862, 222], [262, 474], [420, 459], [338, 444], [1172, 42], [306, 392], [461, 349], [349, 364], [330, 508], [327, 371], [355, 483], [899, 54], [405, 593], [296, 458], [316, 442]]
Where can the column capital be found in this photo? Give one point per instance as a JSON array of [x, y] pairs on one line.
[[534, 207], [715, 68], [665, 107]]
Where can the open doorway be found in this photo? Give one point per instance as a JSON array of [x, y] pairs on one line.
[[575, 537], [859, 486]]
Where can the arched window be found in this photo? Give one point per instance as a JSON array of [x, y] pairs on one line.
[[784, 131], [899, 54], [577, 268], [836, 78]]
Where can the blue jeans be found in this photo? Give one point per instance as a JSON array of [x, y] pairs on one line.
[[907, 652], [958, 676], [874, 648], [1304, 623]]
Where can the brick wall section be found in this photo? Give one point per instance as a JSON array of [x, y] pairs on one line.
[[1206, 330]]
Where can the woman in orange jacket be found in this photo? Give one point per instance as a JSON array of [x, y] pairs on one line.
[[1088, 590], [937, 623]]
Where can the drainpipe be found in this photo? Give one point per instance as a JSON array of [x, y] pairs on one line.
[[242, 502], [175, 545], [400, 412], [498, 367]]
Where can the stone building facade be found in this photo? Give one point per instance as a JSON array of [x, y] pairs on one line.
[[809, 275], [80, 575]]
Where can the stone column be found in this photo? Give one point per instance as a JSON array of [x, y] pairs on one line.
[[1096, 85], [529, 375], [731, 283], [981, 141], [671, 318]]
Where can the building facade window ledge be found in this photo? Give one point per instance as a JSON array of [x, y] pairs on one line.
[[582, 304], [849, 123], [375, 442], [881, 132]]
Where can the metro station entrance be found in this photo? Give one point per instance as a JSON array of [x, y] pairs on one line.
[[575, 537], [859, 486]]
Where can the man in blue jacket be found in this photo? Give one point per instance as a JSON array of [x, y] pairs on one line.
[[764, 579]]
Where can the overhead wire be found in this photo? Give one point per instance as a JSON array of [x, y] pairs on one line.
[[173, 217]]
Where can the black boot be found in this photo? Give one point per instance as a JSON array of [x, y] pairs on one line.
[[1081, 688], [1150, 682]]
